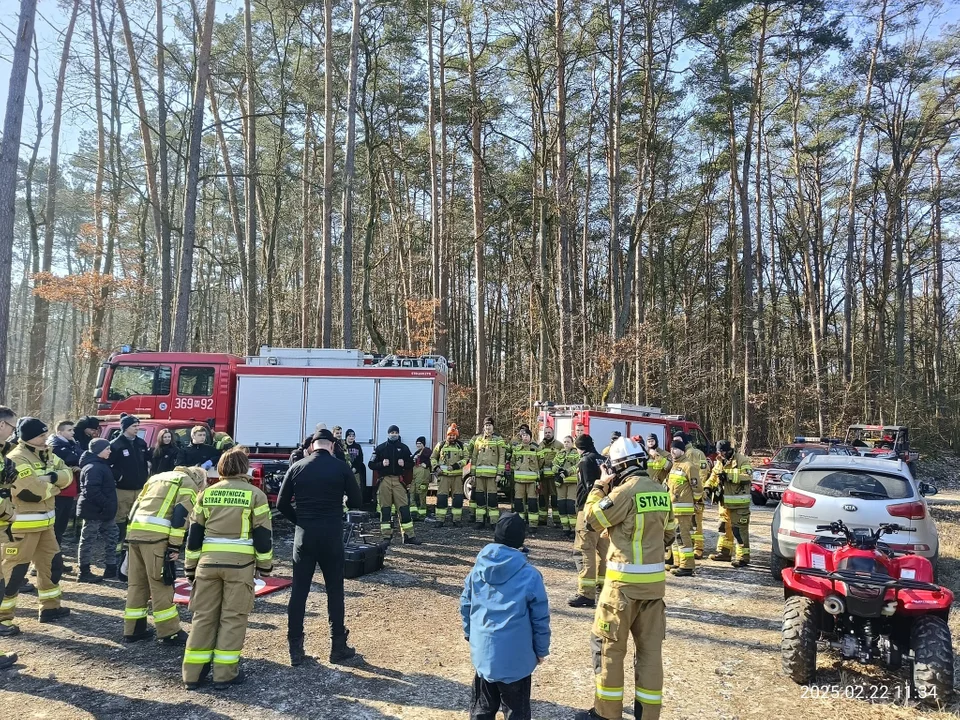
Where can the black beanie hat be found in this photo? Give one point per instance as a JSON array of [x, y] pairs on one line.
[[489, 419], [584, 442], [677, 444], [127, 421], [393, 428], [29, 428], [511, 530], [422, 440], [98, 445]]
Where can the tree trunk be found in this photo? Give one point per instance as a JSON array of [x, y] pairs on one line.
[[479, 230], [562, 188], [307, 294], [185, 284], [9, 154], [166, 269], [250, 162], [41, 306], [852, 202], [440, 301], [348, 175], [325, 317]]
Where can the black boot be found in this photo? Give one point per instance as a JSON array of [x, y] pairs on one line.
[[86, 576], [583, 601], [140, 632], [204, 672], [341, 652], [7, 660], [238, 680], [297, 654], [411, 540], [8, 629], [53, 614], [179, 639], [110, 573], [590, 714]]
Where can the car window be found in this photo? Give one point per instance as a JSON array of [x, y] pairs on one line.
[[843, 450], [130, 380], [796, 454], [195, 381], [853, 483], [182, 435], [700, 440]]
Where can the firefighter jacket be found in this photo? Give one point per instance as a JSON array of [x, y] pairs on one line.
[[702, 462], [6, 500], [658, 465], [525, 462], [162, 509], [488, 455], [565, 463], [639, 520], [733, 477], [450, 458], [41, 476], [222, 441], [683, 483], [230, 527], [548, 454]]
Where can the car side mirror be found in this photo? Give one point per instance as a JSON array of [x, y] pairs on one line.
[[928, 489]]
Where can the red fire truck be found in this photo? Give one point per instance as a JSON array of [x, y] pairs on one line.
[[271, 401], [602, 421]]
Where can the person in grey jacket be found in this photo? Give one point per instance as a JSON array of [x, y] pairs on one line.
[[97, 507]]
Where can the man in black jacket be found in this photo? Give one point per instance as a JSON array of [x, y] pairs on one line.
[[128, 458], [392, 461], [590, 550], [318, 484], [86, 429]]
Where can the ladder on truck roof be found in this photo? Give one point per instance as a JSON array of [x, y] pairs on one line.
[[613, 408]]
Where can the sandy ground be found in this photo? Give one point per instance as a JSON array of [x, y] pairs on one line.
[[721, 654]]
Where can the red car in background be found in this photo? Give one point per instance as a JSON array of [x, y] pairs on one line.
[[773, 475]]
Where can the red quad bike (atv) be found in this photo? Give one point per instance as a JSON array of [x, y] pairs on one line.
[[874, 606]]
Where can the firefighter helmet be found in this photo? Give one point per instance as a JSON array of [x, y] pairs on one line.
[[627, 451]]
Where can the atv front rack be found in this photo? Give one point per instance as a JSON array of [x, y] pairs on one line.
[[871, 579]]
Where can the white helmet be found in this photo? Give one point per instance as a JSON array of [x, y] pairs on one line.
[[628, 451]]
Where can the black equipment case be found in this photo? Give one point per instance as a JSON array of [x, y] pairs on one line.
[[360, 553]]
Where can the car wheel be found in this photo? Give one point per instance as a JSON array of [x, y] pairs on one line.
[[758, 498], [777, 564], [798, 641], [932, 676]]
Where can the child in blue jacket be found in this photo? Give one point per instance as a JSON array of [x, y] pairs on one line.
[[506, 619]]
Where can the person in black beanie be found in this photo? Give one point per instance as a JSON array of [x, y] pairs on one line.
[[506, 620], [590, 550], [128, 458], [393, 463]]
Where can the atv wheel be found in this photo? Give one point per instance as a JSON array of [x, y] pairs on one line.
[[798, 643], [932, 677], [758, 498], [468, 488], [777, 564]]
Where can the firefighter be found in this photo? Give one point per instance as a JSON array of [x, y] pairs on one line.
[[40, 477], [658, 462], [158, 522], [614, 436], [526, 462], [391, 459], [549, 447], [8, 476], [730, 482], [449, 457], [565, 473], [420, 487], [590, 546], [637, 514], [696, 456], [488, 459], [683, 482], [220, 440], [230, 541]]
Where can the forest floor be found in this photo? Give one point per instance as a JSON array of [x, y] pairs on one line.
[[721, 654]]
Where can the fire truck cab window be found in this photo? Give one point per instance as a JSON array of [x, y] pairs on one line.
[[700, 440], [195, 381], [130, 380]]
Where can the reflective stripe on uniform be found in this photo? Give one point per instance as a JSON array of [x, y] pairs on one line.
[[634, 573], [149, 519], [600, 517], [736, 499], [609, 693], [224, 547], [226, 657], [263, 557], [134, 613], [8, 603], [651, 697], [258, 511], [198, 657], [33, 521], [164, 615], [683, 509], [50, 593], [524, 476], [192, 555]]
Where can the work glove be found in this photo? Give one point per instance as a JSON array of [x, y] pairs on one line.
[[561, 474], [53, 477], [456, 466]]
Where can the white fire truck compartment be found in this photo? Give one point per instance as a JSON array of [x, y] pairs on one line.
[[306, 357], [408, 404], [269, 411]]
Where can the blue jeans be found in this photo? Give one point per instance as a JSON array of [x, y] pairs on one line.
[[108, 531]]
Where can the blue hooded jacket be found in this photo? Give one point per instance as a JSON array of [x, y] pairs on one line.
[[506, 616]]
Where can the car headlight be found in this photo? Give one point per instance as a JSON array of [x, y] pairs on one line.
[[758, 474], [786, 477]]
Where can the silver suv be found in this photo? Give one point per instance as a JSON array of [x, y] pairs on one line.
[[862, 492]]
